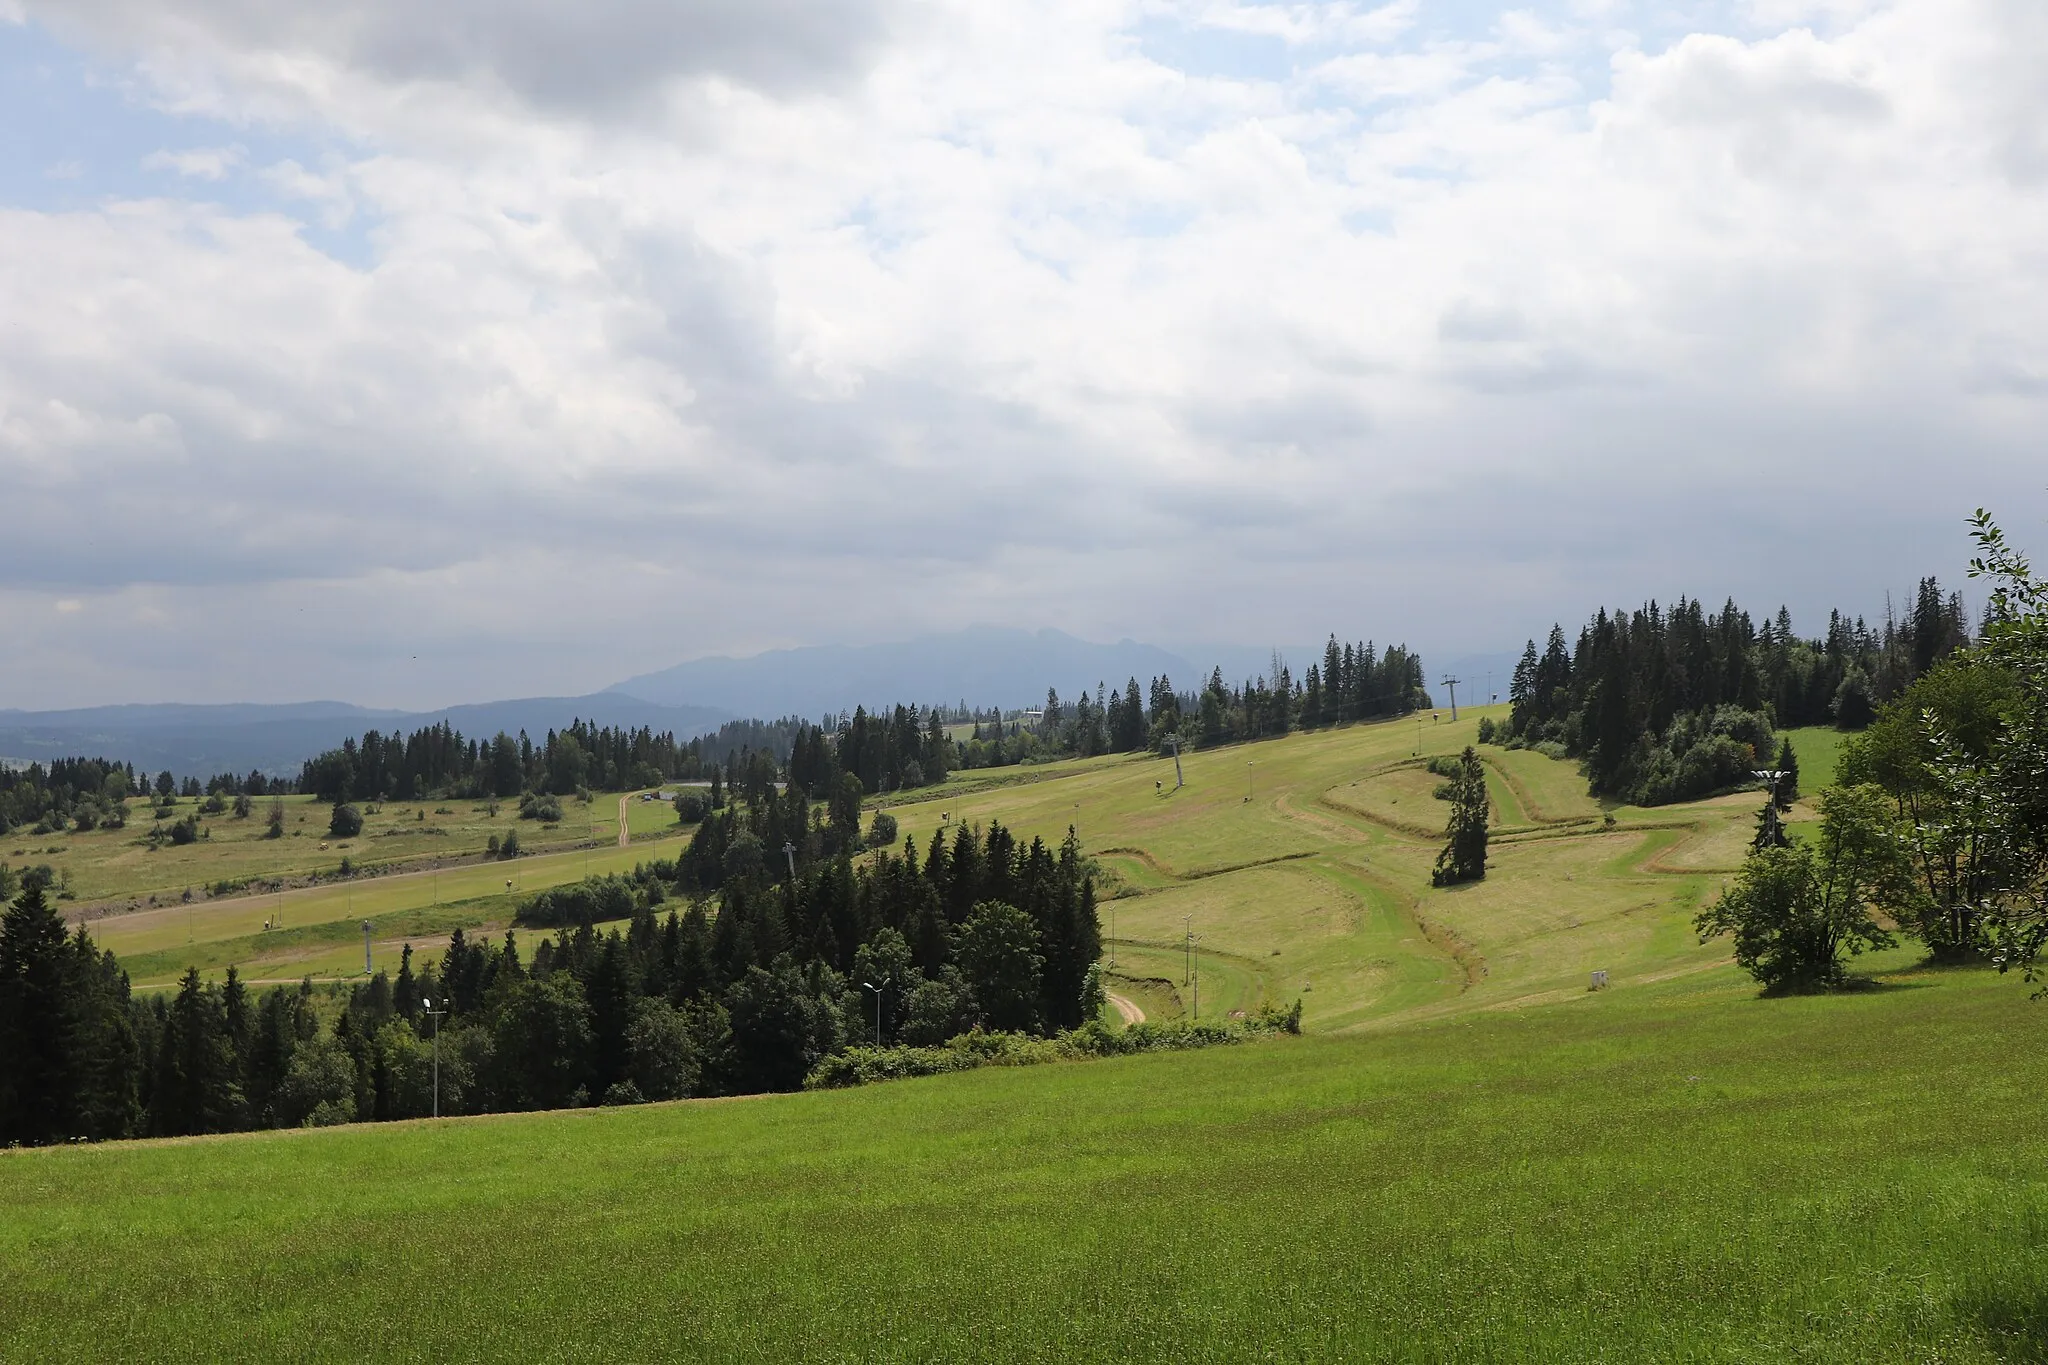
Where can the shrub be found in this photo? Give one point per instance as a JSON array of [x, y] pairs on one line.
[[585, 902], [346, 822], [864, 1065], [691, 808], [545, 809], [882, 831]]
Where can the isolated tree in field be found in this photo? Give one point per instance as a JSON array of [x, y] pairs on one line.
[[1464, 856], [346, 822], [275, 821], [1788, 775], [1770, 826], [1796, 911]]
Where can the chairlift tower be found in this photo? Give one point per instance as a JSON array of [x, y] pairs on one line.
[[1452, 683]]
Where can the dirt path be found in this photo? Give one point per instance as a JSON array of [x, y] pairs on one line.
[[1128, 1009], [625, 833]]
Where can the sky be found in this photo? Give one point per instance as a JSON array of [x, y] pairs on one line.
[[417, 354]]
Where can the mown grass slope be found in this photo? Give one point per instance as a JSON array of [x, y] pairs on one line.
[[1678, 1172]]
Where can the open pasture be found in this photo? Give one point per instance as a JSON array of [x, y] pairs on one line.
[[116, 867], [1677, 1171]]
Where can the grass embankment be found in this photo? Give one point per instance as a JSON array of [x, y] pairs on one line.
[[1678, 1172], [318, 930]]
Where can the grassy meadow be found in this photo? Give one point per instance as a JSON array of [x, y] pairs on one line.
[[1674, 1171], [111, 870], [1468, 1155]]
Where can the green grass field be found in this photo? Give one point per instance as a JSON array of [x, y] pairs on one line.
[[1677, 1171], [1470, 1156], [114, 869]]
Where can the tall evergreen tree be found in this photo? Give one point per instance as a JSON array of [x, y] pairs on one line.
[[1464, 854]]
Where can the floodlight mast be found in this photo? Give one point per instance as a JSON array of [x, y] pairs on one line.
[[435, 1015], [869, 985]]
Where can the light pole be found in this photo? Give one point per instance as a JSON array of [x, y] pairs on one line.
[[1248, 780], [1418, 736], [1187, 930], [435, 1015], [1195, 973], [869, 985], [1077, 824]]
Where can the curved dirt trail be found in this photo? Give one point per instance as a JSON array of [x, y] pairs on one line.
[[625, 834], [1128, 1009]]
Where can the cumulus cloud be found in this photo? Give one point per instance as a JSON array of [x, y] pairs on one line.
[[696, 328]]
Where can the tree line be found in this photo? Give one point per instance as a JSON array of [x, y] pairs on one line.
[[1937, 827], [1664, 706], [744, 990]]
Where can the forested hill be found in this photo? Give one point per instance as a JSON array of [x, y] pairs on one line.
[[1667, 705]]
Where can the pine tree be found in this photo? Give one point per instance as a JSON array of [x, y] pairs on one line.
[[1788, 774], [1464, 855], [1770, 827], [37, 1085]]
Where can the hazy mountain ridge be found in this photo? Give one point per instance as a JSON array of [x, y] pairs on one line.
[[236, 737], [981, 665]]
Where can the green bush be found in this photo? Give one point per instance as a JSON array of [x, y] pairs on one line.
[[865, 1065], [346, 822]]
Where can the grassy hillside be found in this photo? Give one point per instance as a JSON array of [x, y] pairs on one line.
[[1476, 1159], [1676, 1172]]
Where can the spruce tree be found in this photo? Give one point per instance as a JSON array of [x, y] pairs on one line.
[[1788, 779], [1770, 828], [1464, 856], [37, 1087]]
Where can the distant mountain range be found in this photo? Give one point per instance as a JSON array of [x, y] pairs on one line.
[[199, 741], [981, 665]]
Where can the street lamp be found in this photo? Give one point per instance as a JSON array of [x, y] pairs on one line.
[[435, 1015], [869, 985]]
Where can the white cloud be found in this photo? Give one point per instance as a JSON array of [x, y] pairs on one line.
[[198, 163], [909, 315]]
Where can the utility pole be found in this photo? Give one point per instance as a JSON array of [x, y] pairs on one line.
[[789, 852], [1178, 780], [1195, 971], [869, 985], [1452, 683], [435, 1015], [1248, 780], [1187, 931]]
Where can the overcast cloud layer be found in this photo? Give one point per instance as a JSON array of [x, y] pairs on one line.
[[416, 354]]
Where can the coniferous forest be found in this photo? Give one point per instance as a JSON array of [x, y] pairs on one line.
[[783, 934], [1668, 705]]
